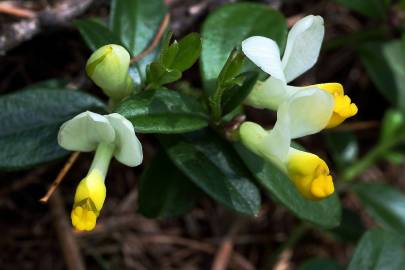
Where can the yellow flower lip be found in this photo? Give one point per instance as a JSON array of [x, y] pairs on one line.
[[83, 218], [310, 174], [89, 199], [343, 108]]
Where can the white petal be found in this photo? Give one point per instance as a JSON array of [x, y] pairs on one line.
[[308, 111], [269, 94], [128, 148], [303, 46], [278, 141], [85, 131], [265, 53]]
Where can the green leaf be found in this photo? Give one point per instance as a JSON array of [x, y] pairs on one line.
[[30, 122], [233, 97], [157, 75], [230, 71], [164, 191], [214, 167], [378, 250], [136, 22], [320, 264], [228, 26], [325, 213], [189, 49], [370, 8], [384, 203], [385, 64], [163, 111], [96, 34], [169, 53]]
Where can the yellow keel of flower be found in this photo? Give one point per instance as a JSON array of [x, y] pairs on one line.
[[343, 109], [310, 175], [83, 219], [322, 187], [89, 200]]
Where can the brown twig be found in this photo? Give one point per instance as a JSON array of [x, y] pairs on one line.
[[224, 252], [70, 249], [13, 10], [164, 24], [60, 177]]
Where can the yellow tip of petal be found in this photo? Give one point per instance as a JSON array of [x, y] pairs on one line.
[[83, 219], [322, 187], [89, 199], [343, 108], [310, 175]]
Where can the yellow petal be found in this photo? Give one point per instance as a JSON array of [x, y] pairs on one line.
[[83, 219], [343, 107], [310, 175], [89, 199]]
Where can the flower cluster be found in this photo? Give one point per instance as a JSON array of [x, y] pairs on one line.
[[108, 135], [301, 111]]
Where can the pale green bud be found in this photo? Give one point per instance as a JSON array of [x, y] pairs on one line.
[[108, 68], [252, 136]]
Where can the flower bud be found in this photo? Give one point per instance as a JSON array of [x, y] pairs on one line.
[[108, 68]]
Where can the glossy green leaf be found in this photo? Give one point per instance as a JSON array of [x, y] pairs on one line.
[[233, 97], [233, 65], [385, 204], [96, 34], [325, 213], [30, 121], [385, 64], [371, 8], [378, 250], [228, 26], [214, 167], [169, 53], [157, 75], [320, 264], [136, 22], [163, 111], [164, 191], [189, 49]]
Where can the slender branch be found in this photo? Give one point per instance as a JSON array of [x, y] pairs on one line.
[[224, 253], [60, 177], [155, 42], [13, 10]]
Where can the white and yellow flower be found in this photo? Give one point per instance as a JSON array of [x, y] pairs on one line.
[[108, 135], [301, 53], [306, 112]]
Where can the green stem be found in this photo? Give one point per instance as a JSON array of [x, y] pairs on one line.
[[102, 158]]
